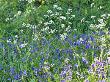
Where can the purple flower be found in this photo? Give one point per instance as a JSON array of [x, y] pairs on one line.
[[34, 50], [17, 77], [42, 60], [91, 38], [103, 75], [63, 81], [24, 72], [75, 43], [86, 80], [9, 79], [102, 80], [70, 42], [84, 60], [12, 71], [63, 74], [101, 33], [69, 51], [93, 65], [98, 70], [36, 71], [94, 54], [57, 51], [33, 68], [88, 46], [20, 73], [78, 43], [76, 65], [83, 42], [15, 50], [74, 36]]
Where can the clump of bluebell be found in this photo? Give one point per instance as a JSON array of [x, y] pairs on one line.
[[63, 57]]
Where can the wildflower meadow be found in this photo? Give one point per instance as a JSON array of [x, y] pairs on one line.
[[54, 40]]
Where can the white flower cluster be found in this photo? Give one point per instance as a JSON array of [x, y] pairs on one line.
[[18, 13], [57, 20], [63, 36], [101, 24], [22, 45], [29, 26], [57, 7]]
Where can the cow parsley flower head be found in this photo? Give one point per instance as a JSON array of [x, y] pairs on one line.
[[30, 1], [55, 6], [66, 60], [63, 17], [49, 11], [63, 36], [93, 17]]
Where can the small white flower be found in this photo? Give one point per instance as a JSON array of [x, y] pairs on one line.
[[35, 37], [46, 67], [102, 39], [63, 36], [21, 30], [66, 60], [47, 28], [30, 1], [46, 23], [52, 31], [51, 21], [92, 4], [59, 8], [8, 41], [16, 36], [62, 17], [104, 15], [55, 6], [62, 25], [28, 25], [92, 25], [15, 42], [69, 9], [52, 14], [101, 20], [7, 19], [46, 16], [68, 28], [108, 60], [109, 15], [75, 29], [49, 11], [23, 24], [19, 12], [81, 39], [108, 52], [73, 16], [100, 7], [82, 20], [68, 13], [93, 16], [23, 45], [52, 65], [57, 13]]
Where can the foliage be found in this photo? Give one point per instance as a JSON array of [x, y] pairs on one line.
[[54, 40]]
